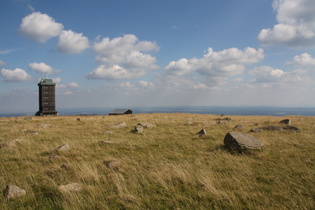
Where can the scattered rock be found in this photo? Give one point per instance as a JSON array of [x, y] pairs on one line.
[[138, 128], [78, 119], [13, 191], [239, 127], [147, 125], [266, 128], [11, 143], [241, 141], [285, 121], [28, 118], [113, 164], [290, 127], [64, 147], [119, 125], [108, 132], [190, 122], [28, 132], [73, 187], [44, 125], [225, 119], [53, 157], [202, 132]]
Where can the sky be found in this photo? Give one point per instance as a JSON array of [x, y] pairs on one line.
[[129, 53]]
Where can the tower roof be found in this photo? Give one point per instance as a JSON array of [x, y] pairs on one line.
[[46, 82]]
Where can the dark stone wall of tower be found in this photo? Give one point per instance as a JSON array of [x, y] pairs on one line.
[[47, 102]]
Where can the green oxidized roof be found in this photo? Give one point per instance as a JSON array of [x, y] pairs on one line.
[[46, 82]]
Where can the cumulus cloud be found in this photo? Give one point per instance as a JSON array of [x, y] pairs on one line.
[[124, 57], [296, 24], [73, 85], [40, 27], [268, 77], [224, 63], [112, 73], [71, 42], [304, 60], [16, 75], [42, 68]]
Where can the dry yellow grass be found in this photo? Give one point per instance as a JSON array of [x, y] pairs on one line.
[[165, 167]]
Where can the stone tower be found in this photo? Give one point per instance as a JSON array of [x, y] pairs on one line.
[[47, 104]]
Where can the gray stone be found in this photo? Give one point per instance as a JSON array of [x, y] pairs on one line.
[[64, 147], [291, 128], [43, 125], [107, 142], [239, 127], [266, 128], [119, 125], [241, 141], [73, 187], [202, 132], [147, 125], [138, 128], [13, 191], [285, 121]]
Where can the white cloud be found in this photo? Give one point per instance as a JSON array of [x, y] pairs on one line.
[[40, 27], [71, 42], [42, 68], [296, 24], [2, 63], [304, 60], [224, 63], [113, 73], [146, 84], [7, 51], [57, 80], [15, 75], [123, 57], [269, 77], [73, 85]]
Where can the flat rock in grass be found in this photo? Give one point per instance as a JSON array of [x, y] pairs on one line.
[[113, 164], [11, 143], [291, 128], [43, 125], [64, 147], [107, 142], [238, 127], [119, 125], [147, 125], [73, 187], [13, 191], [28, 132], [266, 128], [285, 121], [241, 141]]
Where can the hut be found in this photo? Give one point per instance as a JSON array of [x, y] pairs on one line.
[[120, 112]]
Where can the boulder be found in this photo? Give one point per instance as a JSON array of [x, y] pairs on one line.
[[285, 121], [13, 191], [73, 187], [241, 141], [64, 147], [138, 128]]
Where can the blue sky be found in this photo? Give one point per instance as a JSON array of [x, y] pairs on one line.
[[126, 53]]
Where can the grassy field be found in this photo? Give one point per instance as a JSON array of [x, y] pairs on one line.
[[165, 167]]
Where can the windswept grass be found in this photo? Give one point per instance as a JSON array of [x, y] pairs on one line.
[[165, 167]]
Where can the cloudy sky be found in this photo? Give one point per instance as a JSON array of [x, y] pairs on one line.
[[127, 53]]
